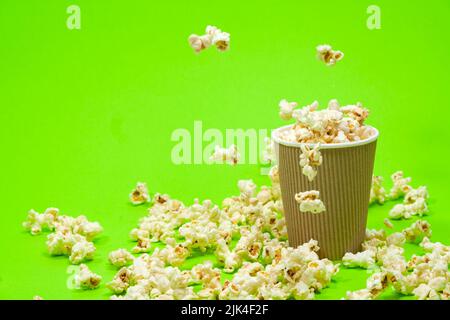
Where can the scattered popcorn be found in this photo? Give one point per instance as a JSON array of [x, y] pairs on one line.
[[413, 204], [82, 250], [396, 239], [224, 155], [120, 258], [333, 125], [375, 286], [36, 222], [143, 245], [388, 223], [85, 279], [377, 192], [140, 194], [417, 231], [364, 259], [310, 160], [401, 185], [309, 201], [213, 36], [400, 211], [70, 236], [425, 292], [326, 54]]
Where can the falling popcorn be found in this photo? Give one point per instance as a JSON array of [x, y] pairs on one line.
[[326, 54], [224, 155], [140, 194], [310, 160], [213, 36], [309, 201]]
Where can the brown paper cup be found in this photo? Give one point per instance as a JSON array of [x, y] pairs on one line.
[[343, 180]]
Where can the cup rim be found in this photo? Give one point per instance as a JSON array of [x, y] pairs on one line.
[[323, 145]]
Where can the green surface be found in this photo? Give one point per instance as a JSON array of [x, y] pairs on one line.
[[85, 114]]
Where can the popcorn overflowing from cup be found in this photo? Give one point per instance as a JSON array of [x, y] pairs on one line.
[[334, 124]]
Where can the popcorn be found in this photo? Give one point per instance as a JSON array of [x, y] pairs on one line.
[[396, 239], [173, 254], [406, 211], [375, 285], [82, 226], [310, 160], [143, 245], [364, 259], [309, 201], [436, 247], [286, 109], [326, 54], [401, 185], [140, 194], [85, 279], [247, 189], [333, 125], [213, 36], [388, 223], [82, 250], [425, 292], [122, 281], [36, 222], [269, 151], [417, 231], [229, 259], [230, 155], [120, 258], [377, 192], [38, 298]]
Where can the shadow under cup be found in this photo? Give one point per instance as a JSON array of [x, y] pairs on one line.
[[343, 180]]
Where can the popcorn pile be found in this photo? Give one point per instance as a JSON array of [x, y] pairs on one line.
[[70, 236], [414, 200], [213, 36], [425, 277], [326, 54], [225, 155], [332, 125], [266, 267], [309, 201]]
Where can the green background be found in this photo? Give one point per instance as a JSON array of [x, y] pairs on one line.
[[85, 114]]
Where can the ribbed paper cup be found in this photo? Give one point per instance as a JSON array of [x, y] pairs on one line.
[[343, 180]]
